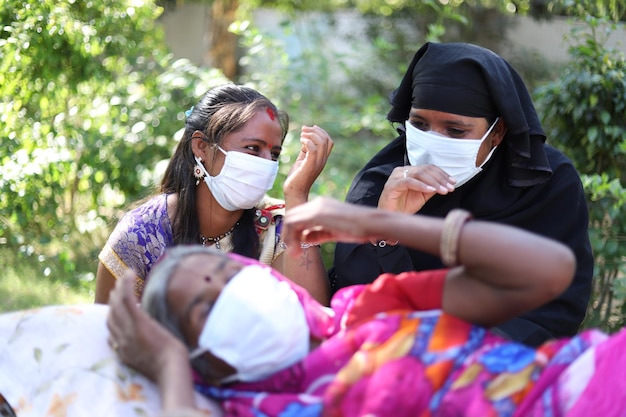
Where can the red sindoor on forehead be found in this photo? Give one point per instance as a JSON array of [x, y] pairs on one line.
[[270, 113]]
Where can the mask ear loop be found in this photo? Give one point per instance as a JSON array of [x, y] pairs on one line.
[[196, 353], [491, 127], [492, 149]]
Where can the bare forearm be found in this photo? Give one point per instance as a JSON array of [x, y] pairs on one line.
[[503, 270], [176, 383], [307, 270], [487, 250]]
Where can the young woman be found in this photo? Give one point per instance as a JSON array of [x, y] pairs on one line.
[[469, 137], [411, 344], [213, 193]]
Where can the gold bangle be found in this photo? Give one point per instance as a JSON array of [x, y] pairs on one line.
[[449, 245]]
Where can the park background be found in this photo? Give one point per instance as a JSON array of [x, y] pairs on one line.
[[93, 95]]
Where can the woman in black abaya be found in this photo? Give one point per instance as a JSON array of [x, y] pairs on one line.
[[451, 95]]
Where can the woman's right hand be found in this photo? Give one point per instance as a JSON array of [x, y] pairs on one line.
[[139, 341], [408, 187], [146, 346]]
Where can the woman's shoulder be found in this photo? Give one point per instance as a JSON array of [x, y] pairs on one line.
[[557, 158], [139, 238], [152, 211], [153, 204], [271, 203], [564, 173]]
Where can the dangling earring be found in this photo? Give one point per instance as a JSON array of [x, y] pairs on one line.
[[198, 172]]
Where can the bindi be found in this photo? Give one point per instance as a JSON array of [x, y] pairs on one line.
[[270, 113]]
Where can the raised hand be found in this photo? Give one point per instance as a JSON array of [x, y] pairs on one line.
[[408, 188], [313, 155]]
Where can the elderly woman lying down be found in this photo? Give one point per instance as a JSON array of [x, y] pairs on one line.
[[415, 344]]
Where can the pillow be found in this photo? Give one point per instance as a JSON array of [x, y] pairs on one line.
[[55, 361]]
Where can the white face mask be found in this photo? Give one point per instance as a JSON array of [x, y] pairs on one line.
[[257, 325], [455, 156], [243, 180]]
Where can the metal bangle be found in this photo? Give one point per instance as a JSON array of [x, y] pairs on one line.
[[449, 245], [308, 245]]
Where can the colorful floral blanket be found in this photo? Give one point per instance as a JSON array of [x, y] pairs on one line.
[[55, 362], [432, 364]]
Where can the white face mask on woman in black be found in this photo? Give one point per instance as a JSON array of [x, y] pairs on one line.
[[455, 156]]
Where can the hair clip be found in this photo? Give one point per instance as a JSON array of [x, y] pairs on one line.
[[188, 112]]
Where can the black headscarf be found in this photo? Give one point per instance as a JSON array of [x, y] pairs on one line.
[[469, 80]]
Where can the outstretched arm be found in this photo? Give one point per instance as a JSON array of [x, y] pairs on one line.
[[503, 271]]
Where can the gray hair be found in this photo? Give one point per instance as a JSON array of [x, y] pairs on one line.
[[154, 297]]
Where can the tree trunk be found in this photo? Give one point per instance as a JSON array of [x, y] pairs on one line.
[[222, 45]]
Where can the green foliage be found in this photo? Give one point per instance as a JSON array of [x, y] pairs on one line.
[[607, 233], [585, 109], [614, 10], [89, 103], [584, 114], [29, 280]]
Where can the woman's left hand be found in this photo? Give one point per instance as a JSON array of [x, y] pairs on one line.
[[316, 147]]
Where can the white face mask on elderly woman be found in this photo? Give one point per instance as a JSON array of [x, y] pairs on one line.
[[243, 180], [257, 325], [455, 156]]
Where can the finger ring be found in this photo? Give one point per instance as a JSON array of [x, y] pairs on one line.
[[406, 170]]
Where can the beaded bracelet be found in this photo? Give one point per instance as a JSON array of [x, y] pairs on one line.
[[303, 245], [308, 245], [449, 245]]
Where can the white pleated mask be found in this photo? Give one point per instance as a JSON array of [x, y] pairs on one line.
[[257, 325], [243, 180], [455, 156]]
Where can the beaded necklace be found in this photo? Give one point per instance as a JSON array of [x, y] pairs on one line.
[[216, 240]]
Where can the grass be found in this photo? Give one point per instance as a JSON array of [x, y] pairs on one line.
[[24, 285]]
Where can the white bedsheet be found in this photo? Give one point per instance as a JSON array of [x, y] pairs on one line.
[[55, 361]]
